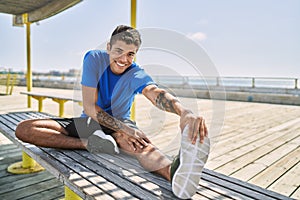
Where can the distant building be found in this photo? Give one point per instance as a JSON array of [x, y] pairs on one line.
[[73, 72]]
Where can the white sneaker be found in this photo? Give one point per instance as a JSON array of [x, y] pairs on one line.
[[186, 169], [99, 142]]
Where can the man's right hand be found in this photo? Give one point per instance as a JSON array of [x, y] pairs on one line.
[[135, 138]]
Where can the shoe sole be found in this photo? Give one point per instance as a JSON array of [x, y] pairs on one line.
[[192, 160], [100, 145]]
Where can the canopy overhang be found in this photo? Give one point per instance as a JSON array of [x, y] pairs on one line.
[[30, 11], [35, 10]]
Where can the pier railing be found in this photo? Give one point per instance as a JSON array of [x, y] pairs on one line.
[[196, 82], [250, 82]]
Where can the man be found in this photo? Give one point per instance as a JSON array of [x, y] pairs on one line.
[[110, 81]]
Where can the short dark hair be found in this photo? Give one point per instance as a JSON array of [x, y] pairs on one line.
[[127, 34]]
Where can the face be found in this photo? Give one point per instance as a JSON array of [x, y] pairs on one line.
[[121, 56]]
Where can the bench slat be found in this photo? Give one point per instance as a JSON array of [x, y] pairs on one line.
[[65, 174], [130, 176]]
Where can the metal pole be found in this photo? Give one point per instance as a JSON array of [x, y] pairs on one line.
[[133, 25], [133, 14], [253, 82], [28, 48]]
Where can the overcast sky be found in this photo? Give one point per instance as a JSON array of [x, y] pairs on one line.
[[242, 38]]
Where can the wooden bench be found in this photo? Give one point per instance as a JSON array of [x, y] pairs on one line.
[[61, 100], [105, 176]]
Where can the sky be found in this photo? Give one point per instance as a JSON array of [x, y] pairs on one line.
[[249, 38]]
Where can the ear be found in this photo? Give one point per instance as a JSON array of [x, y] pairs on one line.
[[108, 46]]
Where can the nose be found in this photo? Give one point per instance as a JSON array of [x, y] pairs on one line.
[[123, 58]]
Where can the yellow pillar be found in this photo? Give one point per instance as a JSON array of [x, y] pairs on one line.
[[7, 83], [133, 24], [70, 195], [133, 14], [26, 166], [132, 111], [28, 49], [13, 84]]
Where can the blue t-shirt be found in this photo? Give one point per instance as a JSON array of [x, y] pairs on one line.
[[115, 92]]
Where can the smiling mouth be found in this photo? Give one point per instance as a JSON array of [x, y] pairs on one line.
[[119, 64]]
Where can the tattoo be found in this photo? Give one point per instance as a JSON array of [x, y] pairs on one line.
[[165, 103], [110, 122]]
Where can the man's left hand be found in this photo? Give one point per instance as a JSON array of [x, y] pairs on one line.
[[197, 126]]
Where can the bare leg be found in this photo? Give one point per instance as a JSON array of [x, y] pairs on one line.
[[149, 157], [47, 133]]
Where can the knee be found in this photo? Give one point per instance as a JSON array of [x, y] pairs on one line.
[[146, 150], [149, 148], [23, 130]]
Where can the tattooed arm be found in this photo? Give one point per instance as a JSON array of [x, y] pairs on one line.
[[135, 138], [164, 100], [167, 102]]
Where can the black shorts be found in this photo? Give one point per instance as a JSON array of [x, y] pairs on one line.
[[80, 128]]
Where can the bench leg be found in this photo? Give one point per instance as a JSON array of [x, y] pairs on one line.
[[26, 166], [70, 195], [40, 100], [61, 103]]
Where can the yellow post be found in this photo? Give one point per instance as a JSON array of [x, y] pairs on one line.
[[133, 24], [7, 83], [13, 84], [132, 111], [28, 162], [70, 195], [26, 166], [133, 14], [28, 48]]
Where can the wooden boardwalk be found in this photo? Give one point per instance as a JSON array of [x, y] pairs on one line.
[[26, 186], [258, 143]]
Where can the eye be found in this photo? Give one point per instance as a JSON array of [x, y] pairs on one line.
[[131, 54], [118, 51]]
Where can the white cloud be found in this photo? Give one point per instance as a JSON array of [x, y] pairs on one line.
[[199, 36]]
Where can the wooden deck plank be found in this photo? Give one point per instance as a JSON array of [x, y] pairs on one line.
[[31, 189], [289, 182], [253, 154], [29, 185], [15, 184], [254, 145], [51, 194], [243, 131], [269, 175], [268, 159], [296, 194], [247, 136]]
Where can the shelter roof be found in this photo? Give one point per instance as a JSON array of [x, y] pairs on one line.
[[36, 9]]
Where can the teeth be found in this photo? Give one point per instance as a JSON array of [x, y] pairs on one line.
[[122, 65]]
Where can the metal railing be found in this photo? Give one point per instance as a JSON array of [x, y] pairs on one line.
[[253, 82]]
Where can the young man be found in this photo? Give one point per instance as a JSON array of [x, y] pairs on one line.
[[110, 81]]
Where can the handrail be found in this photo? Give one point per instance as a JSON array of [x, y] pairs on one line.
[[254, 82]]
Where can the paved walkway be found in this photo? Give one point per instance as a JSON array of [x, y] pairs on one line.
[[254, 142]]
